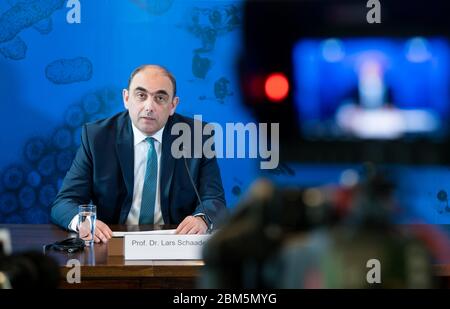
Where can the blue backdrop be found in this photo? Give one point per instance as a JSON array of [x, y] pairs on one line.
[[56, 75]]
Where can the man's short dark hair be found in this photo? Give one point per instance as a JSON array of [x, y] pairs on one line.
[[164, 71]]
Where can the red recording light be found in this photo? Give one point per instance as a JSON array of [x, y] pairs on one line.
[[276, 87]]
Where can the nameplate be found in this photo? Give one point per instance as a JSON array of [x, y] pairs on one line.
[[164, 247]]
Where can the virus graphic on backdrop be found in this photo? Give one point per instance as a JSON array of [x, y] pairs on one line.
[[67, 71], [442, 207], [37, 14], [28, 189], [154, 7], [283, 169], [208, 25], [23, 15], [236, 190]]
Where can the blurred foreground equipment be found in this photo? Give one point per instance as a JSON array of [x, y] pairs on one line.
[[27, 270], [317, 238]]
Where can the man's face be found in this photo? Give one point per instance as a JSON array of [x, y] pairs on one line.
[[150, 100]]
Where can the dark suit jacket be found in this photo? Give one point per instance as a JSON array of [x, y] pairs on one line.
[[103, 173]]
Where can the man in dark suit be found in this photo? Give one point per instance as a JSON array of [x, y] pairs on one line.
[[126, 167]]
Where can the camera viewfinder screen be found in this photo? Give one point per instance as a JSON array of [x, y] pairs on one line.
[[372, 88]]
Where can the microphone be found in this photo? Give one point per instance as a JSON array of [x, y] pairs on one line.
[[208, 218]]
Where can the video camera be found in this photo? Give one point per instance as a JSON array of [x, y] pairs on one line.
[[344, 90], [347, 90]]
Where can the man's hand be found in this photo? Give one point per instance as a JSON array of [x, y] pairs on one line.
[[102, 232], [192, 225]]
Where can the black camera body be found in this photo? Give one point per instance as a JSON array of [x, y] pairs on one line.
[[272, 32], [281, 237]]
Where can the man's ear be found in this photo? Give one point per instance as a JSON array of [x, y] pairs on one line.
[[125, 97], [174, 105]]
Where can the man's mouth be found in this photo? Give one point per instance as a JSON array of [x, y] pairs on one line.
[[148, 118]]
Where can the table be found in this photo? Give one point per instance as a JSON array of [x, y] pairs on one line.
[[98, 270]]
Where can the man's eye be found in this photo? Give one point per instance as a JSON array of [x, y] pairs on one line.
[[160, 98], [141, 96]]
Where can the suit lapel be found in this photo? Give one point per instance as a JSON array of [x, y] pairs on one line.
[[167, 168], [125, 153]]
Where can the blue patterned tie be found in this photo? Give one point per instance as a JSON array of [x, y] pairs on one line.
[[149, 188]]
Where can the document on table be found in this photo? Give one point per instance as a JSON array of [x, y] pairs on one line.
[[154, 232]]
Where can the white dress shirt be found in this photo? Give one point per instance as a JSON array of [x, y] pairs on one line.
[[141, 147]]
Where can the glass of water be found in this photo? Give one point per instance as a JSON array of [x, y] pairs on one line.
[[87, 214]]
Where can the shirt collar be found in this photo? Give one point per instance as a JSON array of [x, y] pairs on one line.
[[139, 136]]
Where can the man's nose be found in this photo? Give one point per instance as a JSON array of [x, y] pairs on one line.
[[148, 104]]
